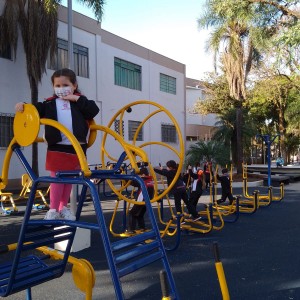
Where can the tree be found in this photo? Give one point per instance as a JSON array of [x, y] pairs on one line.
[[237, 39], [207, 151], [38, 22], [277, 97]]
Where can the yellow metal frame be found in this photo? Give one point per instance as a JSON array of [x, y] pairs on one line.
[[263, 200], [179, 153]]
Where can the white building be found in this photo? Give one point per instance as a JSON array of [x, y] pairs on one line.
[[198, 127], [112, 71]]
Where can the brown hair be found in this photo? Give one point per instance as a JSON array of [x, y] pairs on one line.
[[67, 73]]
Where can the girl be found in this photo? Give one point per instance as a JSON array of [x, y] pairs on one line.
[[136, 214], [178, 190], [71, 109]]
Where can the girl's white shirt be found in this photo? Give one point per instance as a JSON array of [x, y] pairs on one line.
[[64, 117]]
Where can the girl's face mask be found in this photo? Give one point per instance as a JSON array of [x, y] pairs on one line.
[[63, 91]]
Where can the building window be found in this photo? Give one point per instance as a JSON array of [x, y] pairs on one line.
[[167, 84], [6, 129], [168, 133], [128, 74], [81, 58], [132, 128], [117, 127], [6, 52]]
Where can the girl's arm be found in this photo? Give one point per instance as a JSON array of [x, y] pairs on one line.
[[88, 108]]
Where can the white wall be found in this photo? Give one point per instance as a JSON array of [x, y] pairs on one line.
[[14, 87], [193, 94]]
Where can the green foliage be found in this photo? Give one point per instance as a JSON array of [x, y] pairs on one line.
[[217, 98], [207, 151]]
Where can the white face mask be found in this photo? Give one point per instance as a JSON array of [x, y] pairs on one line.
[[62, 92]]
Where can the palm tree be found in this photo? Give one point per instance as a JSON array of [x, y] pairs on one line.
[[38, 22], [207, 151], [236, 38]]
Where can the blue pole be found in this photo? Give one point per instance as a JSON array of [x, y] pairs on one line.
[[268, 141], [268, 144]]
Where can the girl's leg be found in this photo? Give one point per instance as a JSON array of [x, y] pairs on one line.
[[56, 191], [65, 196]]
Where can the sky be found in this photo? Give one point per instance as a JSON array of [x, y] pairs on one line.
[[168, 27]]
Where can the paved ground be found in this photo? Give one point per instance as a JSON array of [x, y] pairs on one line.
[[259, 254]]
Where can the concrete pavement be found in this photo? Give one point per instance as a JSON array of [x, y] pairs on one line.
[[259, 254]]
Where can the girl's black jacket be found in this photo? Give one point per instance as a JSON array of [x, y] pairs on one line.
[[81, 110]]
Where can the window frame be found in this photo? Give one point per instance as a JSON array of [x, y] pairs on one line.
[[131, 133], [167, 84], [166, 131], [127, 74], [60, 60]]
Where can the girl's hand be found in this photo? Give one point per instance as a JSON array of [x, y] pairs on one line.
[[19, 107], [71, 98]]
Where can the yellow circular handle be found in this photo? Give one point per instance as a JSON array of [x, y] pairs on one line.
[[157, 109], [26, 125]]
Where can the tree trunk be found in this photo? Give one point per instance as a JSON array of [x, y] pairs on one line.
[[34, 100], [239, 146], [282, 138]]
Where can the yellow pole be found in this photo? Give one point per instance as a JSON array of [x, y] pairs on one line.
[[220, 273]]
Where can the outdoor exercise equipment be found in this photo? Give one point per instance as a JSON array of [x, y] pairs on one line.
[[82, 271], [155, 110], [229, 213], [124, 256], [263, 200], [9, 197], [26, 188], [268, 140]]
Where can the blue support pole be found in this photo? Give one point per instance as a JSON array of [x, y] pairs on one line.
[[268, 142]]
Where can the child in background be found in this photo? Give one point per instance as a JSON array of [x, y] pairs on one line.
[[73, 110], [137, 212], [226, 187], [197, 185], [178, 190], [208, 173]]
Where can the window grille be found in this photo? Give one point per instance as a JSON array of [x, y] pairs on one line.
[[128, 74], [6, 129], [117, 127], [132, 128], [81, 58], [168, 133], [167, 84]]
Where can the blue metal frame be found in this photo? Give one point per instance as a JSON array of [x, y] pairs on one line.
[[120, 263], [268, 142]]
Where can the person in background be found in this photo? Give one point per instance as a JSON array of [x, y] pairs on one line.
[[208, 173], [279, 161], [137, 212], [73, 110], [226, 187], [197, 184], [178, 190]]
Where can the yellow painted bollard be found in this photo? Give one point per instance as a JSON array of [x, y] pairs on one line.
[[220, 273]]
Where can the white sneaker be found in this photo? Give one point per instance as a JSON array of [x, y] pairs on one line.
[[66, 214], [52, 214]]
